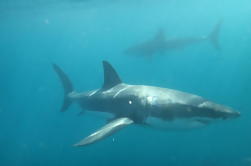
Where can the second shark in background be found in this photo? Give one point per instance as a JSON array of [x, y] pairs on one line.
[[159, 44]]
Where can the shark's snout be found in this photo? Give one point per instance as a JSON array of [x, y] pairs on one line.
[[229, 113], [219, 111], [233, 115]]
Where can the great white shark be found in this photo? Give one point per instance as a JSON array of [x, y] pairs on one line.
[[159, 44], [140, 104]]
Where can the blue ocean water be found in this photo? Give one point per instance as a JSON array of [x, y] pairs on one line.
[[78, 35]]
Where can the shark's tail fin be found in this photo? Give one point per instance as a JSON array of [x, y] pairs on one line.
[[68, 88], [214, 35]]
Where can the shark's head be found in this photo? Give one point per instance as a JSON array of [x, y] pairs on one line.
[[187, 116], [193, 111], [217, 111]]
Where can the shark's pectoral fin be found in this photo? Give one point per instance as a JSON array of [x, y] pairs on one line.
[[105, 131], [112, 119]]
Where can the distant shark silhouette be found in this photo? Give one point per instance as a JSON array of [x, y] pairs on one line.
[[140, 104], [159, 44]]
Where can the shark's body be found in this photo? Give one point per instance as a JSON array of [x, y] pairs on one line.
[[140, 104], [159, 44]]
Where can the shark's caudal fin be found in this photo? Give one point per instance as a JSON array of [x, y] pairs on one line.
[[214, 35], [111, 78], [68, 88], [105, 131]]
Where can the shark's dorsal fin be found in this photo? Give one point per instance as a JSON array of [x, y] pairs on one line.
[[160, 35], [111, 77]]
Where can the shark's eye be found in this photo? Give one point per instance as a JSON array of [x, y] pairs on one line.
[[130, 102]]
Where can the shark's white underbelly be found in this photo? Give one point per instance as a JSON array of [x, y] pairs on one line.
[[174, 124]]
